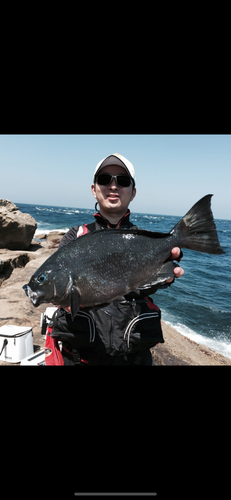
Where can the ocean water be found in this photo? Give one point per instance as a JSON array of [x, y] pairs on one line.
[[198, 305]]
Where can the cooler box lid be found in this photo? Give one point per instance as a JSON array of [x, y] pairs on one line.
[[14, 331]]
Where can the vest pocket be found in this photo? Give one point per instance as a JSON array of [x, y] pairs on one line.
[[79, 333], [144, 331]]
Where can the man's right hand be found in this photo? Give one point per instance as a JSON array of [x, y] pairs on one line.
[[68, 309]]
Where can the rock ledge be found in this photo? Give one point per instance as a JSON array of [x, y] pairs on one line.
[[16, 228]]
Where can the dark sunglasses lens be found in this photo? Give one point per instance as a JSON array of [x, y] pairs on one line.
[[104, 179], [123, 180]]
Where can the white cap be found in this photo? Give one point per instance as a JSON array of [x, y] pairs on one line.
[[116, 159]]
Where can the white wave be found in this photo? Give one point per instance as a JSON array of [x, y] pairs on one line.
[[43, 209], [150, 217], [47, 231], [219, 346]]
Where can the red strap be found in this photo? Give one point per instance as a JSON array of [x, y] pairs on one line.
[[118, 225], [82, 230], [85, 229], [151, 305], [53, 355]]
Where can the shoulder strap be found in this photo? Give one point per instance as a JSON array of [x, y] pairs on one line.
[[86, 228], [91, 227]]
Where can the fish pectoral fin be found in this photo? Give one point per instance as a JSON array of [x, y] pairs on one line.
[[74, 301], [166, 271]]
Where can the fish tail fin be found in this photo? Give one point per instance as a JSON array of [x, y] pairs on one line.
[[197, 229]]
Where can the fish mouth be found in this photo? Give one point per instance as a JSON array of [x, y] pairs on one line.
[[35, 297]]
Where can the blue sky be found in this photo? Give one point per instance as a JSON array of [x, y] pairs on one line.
[[172, 171]]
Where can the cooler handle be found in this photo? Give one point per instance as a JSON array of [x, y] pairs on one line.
[[5, 342]]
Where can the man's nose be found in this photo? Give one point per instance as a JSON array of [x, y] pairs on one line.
[[113, 184]]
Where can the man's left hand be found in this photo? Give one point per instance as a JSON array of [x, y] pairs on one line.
[[177, 271]]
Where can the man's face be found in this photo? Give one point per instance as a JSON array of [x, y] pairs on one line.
[[113, 198]]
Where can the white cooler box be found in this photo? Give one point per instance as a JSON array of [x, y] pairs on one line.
[[16, 343]]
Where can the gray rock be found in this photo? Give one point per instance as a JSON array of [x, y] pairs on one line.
[[16, 228]]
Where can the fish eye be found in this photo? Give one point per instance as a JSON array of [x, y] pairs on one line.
[[41, 278]]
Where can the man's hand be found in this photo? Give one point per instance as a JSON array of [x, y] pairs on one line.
[[68, 309], [177, 271]]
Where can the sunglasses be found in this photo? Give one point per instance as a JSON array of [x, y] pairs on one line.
[[121, 180]]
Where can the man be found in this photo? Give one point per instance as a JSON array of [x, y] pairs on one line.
[[97, 336]]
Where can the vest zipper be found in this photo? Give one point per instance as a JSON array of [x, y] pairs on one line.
[[110, 332]]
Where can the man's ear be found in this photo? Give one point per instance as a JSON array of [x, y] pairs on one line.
[[93, 190], [133, 194]]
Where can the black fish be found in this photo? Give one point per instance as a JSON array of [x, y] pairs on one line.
[[106, 264]]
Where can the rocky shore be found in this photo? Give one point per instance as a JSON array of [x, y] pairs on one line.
[[16, 268]]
